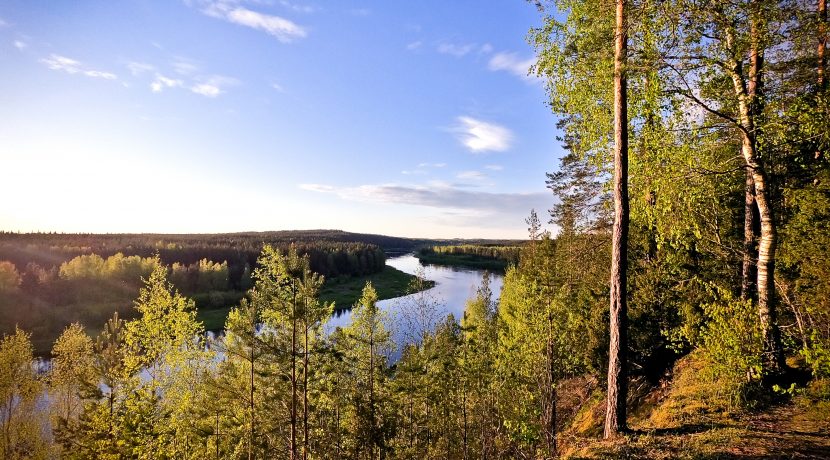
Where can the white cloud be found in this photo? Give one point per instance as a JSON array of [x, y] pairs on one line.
[[281, 28], [213, 86], [441, 196], [206, 89], [317, 188], [298, 7], [138, 68], [494, 167], [161, 82], [71, 66], [21, 45], [481, 136], [414, 45], [486, 48], [99, 74], [422, 169], [278, 87], [455, 50], [57, 62], [3, 23], [471, 175], [509, 62], [184, 67]]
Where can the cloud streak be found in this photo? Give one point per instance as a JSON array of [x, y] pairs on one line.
[[284, 30], [440, 196], [510, 62], [71, 66], [480, 136], [456, 50], [161, 82]]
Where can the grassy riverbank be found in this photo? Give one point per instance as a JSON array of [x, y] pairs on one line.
[[344, 291]]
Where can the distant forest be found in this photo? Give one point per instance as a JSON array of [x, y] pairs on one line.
[[49, 280]]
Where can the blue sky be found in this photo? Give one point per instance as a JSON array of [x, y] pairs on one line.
[[402, 118]]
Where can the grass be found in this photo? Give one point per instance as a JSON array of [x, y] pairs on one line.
[[688, 417], [344, 291]]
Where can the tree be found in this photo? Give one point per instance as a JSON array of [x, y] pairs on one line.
[[73, 381], [615, 412], [165, 342], [367, 349], [21, 434]]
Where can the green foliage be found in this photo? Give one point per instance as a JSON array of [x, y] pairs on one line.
[[21, 433], [468, 255], [731, 342], [72, 381], [366, 351]]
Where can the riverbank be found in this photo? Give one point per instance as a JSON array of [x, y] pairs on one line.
[[344, 291], [464, 261]]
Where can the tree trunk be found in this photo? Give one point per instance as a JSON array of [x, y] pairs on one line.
[[750, 231], [293, 446], [305, 380], [615, 413], [748, 96], [822, 44], [251, 395]]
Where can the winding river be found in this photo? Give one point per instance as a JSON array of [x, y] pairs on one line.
[[453, 286]]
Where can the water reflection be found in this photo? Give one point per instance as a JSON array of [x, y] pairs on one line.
[[453, 286]]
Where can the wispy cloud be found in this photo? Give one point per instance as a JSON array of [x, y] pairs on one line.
[[213, 86], [278, 87], [184, 66], [414, 45], [3, 23], [161, 82], [138, 68], [438, 195], [494, 167], [360, 12], [485, 48], [481, 136], [19, 44], [454, 49], [422, 169], [71, 66], [510, 62], [471, 175], [284, 30], [298, 7]]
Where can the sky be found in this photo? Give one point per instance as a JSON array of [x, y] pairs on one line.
[[403, 118]]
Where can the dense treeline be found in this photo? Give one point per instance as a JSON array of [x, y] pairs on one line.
[[330, 255], [490, 257], [88, 287]]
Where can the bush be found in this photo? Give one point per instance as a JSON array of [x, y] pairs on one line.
[[731, 340]]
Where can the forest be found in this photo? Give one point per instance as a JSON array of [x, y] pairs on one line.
[[681, 309], [490, 257], [50, 281]]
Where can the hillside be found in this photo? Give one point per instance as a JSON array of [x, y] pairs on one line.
[[687, 417]]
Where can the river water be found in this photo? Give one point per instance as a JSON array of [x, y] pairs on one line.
[[453, 286]]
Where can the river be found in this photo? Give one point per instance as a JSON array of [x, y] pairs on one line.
[[453, 286]]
